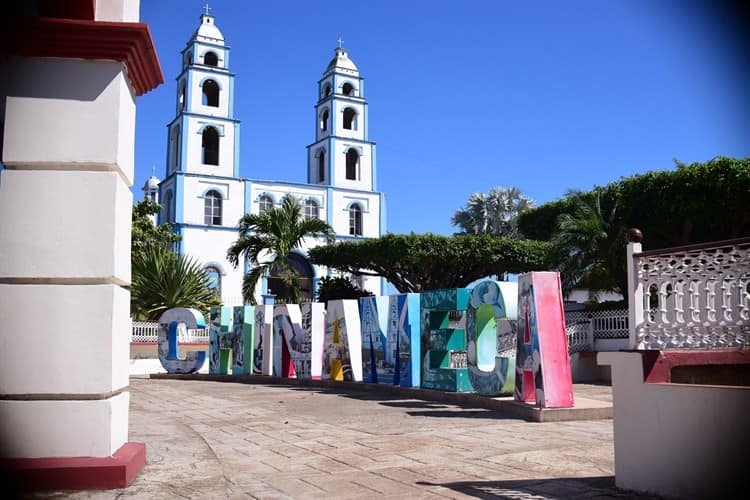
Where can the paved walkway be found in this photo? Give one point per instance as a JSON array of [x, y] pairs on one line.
[[229, 440]]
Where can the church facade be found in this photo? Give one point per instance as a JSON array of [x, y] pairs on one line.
[[203, 195]]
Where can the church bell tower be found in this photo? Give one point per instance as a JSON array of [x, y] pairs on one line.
[[341, 155], [203, 138]]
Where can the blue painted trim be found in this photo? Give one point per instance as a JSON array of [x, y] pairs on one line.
[[215, 264], [338, 137], [373, 167], [329, 207], [222, 190], [210, 77], [219, 128], [329, 166], [230, 104], [236, 165], [182, 166], [193, 114], [383, 227], [264, 285], [248, 205], [189, 88], [206, 226], [179, 199]]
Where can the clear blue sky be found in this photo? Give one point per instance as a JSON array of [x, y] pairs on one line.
[[468, 95]]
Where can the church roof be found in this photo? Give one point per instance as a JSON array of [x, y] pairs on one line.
[[341, 60], [208, 32], [151, 183]]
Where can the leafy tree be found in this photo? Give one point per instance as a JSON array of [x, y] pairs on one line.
[[417, 262], [695, 203], [590, 244], [494, 213], [268, 239], [339, 288], [163, 279], [145, 233]]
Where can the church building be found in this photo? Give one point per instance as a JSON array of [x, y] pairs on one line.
[[203, 195]]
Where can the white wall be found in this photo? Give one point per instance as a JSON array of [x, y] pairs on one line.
[[677, 440]]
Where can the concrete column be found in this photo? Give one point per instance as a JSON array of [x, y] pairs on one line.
[[68, 153]]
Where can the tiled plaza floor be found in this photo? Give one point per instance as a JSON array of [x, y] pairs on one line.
[[229, 440]]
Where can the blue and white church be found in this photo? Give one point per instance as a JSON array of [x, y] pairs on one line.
[[203, 195]]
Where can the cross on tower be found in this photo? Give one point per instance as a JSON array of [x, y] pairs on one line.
[[341, 42], [207, 9]]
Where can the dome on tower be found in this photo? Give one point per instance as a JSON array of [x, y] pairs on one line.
[[151, 183], [208, 32], [341, 60]]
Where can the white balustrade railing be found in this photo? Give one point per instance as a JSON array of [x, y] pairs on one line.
[[148, 332], [585, 327], [691, 297]]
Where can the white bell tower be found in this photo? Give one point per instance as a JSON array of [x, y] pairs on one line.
[[341, 155]]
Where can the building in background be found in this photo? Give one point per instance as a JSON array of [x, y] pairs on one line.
[[203, 196]]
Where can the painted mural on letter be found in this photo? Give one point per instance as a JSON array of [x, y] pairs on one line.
[[342, 358], [491, 332], [374, 324], [403, 338], [443, 340], [168, 345], [542, 361]]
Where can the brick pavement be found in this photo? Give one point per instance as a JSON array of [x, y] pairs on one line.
[[229, 440]]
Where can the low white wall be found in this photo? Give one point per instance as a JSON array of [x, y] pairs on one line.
[[677, 440]]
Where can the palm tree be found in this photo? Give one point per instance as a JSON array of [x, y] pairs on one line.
[[267, 240], [163, 279], [590, 240], [494, 213]]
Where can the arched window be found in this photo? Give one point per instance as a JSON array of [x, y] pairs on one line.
[[305, 273], [310, 210], [212, 209], [348, 89], [211, 93], [174, 148], [355, 220], [210, 59], [188, 59], [350, 119], [321, 166], [326, 91], [182, 96], [168, 207], [352, 164], [265, 203], [210, 146], [324, 120], [214, 279]]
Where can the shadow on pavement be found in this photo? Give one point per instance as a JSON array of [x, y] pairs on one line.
[[600, 487], [578, 487]]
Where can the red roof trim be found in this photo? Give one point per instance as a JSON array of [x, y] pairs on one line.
[[129, 43]]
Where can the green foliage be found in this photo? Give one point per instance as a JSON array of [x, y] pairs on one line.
[[163, 279], [267, 240], [590, 245], [145, 233], [694, 203], [494, 213], [339, 288], [417, 262]]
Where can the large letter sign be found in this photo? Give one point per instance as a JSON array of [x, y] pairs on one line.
[[376, 365], [343, 341], [542, 359], [231, 340], [169, 355], [491, 332], [443, 342], [403, 335]]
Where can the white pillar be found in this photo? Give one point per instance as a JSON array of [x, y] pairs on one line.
[[635, 294], [68, 152]]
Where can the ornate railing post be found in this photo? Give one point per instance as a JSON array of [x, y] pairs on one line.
[[635, 286]]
